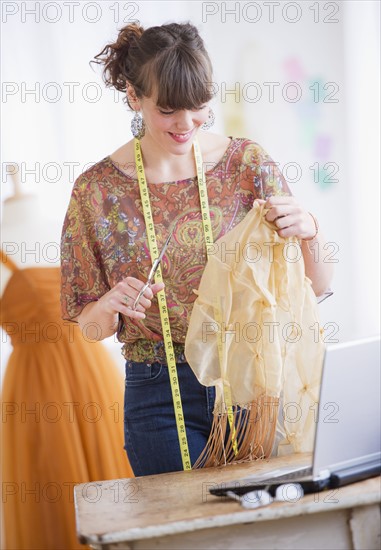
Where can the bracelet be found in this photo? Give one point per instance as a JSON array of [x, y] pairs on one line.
[[316, 228]]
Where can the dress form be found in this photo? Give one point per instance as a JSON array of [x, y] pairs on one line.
[[51, 368], [29, 238]]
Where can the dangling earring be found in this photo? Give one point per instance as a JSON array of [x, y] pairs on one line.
[[138, 127], [211, 118]]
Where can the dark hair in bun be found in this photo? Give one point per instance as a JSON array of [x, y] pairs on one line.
[[169, 60]]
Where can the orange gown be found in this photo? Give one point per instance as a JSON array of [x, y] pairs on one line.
[[62, 414]]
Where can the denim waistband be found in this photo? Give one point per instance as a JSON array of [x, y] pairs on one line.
[[151, 352]]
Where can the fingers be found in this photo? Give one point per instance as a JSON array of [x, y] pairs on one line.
[[276, 200], [128, 291], [288, 217], [149, 292], [280, 210], [289, 231], [279, 206], [123, 302], [121, 298], [138, 313], [157, 287]]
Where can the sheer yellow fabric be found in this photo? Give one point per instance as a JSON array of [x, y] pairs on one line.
[[254, 334]]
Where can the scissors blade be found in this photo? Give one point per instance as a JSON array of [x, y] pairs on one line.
[[153, 271], [156, 263], [165, 247]]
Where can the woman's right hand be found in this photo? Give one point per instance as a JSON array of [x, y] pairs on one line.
[[121, 297]]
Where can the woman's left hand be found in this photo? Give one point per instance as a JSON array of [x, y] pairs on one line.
[[289, 217]]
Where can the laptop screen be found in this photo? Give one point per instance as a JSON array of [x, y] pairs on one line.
[[348, 422]]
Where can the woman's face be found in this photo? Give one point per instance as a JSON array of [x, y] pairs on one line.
[[173, 131]]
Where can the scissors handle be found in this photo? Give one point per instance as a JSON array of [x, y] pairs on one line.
[[147, 283], [142, 291], [152, 272]]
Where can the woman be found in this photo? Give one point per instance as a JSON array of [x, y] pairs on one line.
[[167, 77]]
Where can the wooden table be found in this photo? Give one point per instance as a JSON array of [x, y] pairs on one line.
[[173, 511]]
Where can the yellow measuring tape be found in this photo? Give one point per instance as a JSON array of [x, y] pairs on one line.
[[154, 252], [171, 361]]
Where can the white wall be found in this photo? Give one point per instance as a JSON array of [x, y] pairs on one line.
[[331, 44]]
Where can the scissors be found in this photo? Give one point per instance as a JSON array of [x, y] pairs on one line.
[[152, 273]]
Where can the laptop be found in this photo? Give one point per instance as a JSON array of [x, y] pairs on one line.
[[347, 445]]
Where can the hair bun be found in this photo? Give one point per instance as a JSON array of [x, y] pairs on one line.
[[114, 56], [129, 34]]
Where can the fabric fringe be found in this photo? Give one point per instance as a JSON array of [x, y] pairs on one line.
[[252, 436]]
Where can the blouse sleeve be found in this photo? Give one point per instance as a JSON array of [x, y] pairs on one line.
[[82, 275], [267, 178]]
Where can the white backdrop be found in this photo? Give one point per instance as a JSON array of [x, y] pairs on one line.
[[301, 78]]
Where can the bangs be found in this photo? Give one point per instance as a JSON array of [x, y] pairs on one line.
[[183, 81]]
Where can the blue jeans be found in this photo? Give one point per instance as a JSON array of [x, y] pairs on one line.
[[150, 430]]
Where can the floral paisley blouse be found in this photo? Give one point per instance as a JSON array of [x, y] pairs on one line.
[[104, 237]]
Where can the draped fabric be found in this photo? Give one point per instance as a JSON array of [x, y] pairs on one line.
[[254, 334]]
